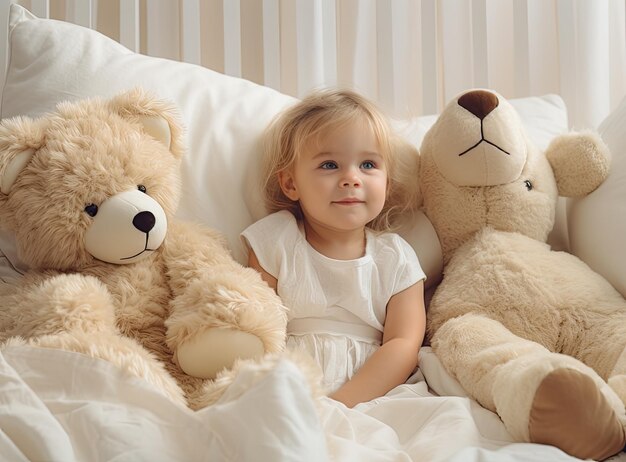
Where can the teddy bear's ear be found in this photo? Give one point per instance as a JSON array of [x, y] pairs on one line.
[[580, 162], [20, 137], [158, 128], [158, 119]]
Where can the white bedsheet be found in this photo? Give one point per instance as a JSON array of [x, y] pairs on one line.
[[63, 406]]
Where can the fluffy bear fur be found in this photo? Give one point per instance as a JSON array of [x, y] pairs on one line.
[[532, 334], [138, 314]]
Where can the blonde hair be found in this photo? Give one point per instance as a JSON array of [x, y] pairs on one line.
[[321, 111]]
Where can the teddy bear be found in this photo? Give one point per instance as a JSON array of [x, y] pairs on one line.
[[90, 191], [531, 333]]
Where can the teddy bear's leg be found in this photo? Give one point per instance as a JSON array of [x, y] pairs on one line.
[[76, 313], [601, 345], [541, 397], [220, 319], [61, 303], [123, 352]]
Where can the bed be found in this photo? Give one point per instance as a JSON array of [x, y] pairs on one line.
[[63, 406]]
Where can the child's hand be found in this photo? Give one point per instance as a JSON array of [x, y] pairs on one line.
[[343, 398]]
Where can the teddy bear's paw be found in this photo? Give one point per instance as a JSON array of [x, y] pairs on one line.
[[204, 305], [213, 350], [260, 313], [63, 303], [570, 412], [230, 384]]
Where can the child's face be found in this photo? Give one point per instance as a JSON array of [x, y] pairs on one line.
[[340, 179]]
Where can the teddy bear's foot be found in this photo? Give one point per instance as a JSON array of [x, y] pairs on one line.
[[550, 398], [570, 412], [213, 350]]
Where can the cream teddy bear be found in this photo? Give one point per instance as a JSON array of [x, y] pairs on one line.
[[90, 191], [532, 334]]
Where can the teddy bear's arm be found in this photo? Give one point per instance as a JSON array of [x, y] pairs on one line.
[[220, 310]]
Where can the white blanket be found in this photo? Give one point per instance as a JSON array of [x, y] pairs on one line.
[[63, 406]]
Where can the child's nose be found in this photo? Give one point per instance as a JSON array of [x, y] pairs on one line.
[[351, 178]]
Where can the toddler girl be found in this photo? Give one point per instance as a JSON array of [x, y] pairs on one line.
[[355, 292]]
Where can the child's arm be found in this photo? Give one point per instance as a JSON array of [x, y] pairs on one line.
[[253, 262], [392, 363]]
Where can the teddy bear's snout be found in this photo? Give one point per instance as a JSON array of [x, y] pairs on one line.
[[479, 102], [129, 226], [144, 221], [488, 149]]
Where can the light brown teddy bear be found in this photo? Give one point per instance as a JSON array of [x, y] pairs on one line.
[[90, 192], [532, 334]]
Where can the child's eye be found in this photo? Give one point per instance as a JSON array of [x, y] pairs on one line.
[[328, 165], [367, 165]]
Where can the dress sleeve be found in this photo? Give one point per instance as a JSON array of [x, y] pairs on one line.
[[269, 238], [409, 270]]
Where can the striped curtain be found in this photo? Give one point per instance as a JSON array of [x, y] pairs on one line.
[[410, 56]]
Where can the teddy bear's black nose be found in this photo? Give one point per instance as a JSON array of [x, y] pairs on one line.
[[144, 221], [479, 102]]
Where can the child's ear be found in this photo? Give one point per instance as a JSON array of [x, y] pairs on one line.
[[288, 186]]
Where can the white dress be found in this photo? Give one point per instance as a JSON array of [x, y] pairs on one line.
[[336, 307]]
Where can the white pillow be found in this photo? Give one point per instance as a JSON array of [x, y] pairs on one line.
[[597, 222], [51, 61]]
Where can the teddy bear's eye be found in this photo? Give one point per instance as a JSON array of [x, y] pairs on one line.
[[92, 210], [528, 184], [141, 188]]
